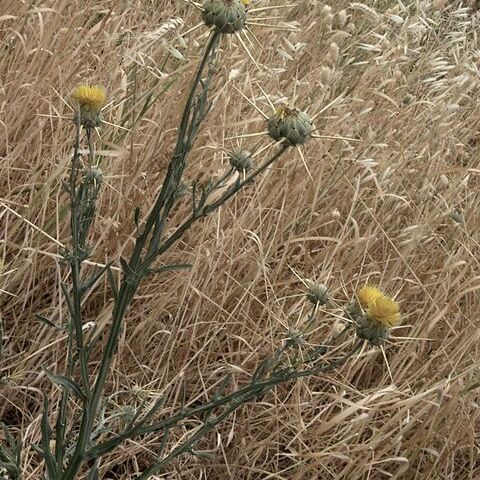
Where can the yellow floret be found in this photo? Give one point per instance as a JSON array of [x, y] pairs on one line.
[[367, 295], [281, 112], [92, 97], [384, 310]]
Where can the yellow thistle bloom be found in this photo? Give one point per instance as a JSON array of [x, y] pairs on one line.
[[367, 295], [91, 97], [385, 311], [380, 313], [282, 111]]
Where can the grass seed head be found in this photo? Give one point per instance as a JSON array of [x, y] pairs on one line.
[[228, 16], [290, 124]]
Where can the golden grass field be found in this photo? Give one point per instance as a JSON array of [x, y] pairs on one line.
[[388, 194]]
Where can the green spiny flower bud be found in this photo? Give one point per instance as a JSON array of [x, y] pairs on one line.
[[291, 124], [228, 16], [241, 160], [295, 338], [353, 311], [317, 293], [96, 174], [374, 333]]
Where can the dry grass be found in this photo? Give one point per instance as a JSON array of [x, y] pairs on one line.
[[399, 114]]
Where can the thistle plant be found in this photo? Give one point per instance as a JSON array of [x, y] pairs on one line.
[[374, 314], [73, 437]]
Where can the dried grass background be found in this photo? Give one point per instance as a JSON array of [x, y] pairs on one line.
[[391, 196]]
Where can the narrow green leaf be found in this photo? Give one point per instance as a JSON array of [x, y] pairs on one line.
[[111, 281], [136, 216], [89, 282], [136, 416], [224, 384], [37, 448], [171, 268], [153, 410], [203, 454], [93, 473], [130, 275], [65, 383], [46, 438], [1, 338], [46, 321], [68, 299]]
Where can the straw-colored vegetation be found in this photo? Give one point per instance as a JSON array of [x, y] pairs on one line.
[[387, 194]]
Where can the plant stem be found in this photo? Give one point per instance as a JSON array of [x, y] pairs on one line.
[[209, 208], [129, 285], [177, 163], [236, 400], [62, 411], [241, 396], [75, 324], [76, 260]]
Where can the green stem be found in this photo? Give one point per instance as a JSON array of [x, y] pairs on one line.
[[77, 302], [177, 164], [76, 260], [209, 208], [241, 397], [129, 287], [89, 414], [62, 411], [237, 399]]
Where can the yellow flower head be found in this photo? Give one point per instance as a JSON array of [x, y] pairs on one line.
[[283, 111], [90, 97], [245, 2], [384, 311], [374, 313], [367, 295]]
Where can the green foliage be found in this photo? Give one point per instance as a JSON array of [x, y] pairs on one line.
[[83, 432]]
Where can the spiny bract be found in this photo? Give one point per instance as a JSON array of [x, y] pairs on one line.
[[290, 124], [228, 16]]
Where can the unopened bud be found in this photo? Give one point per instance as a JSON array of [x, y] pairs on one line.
[[317, 294], [228, 16], [241, 160]]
